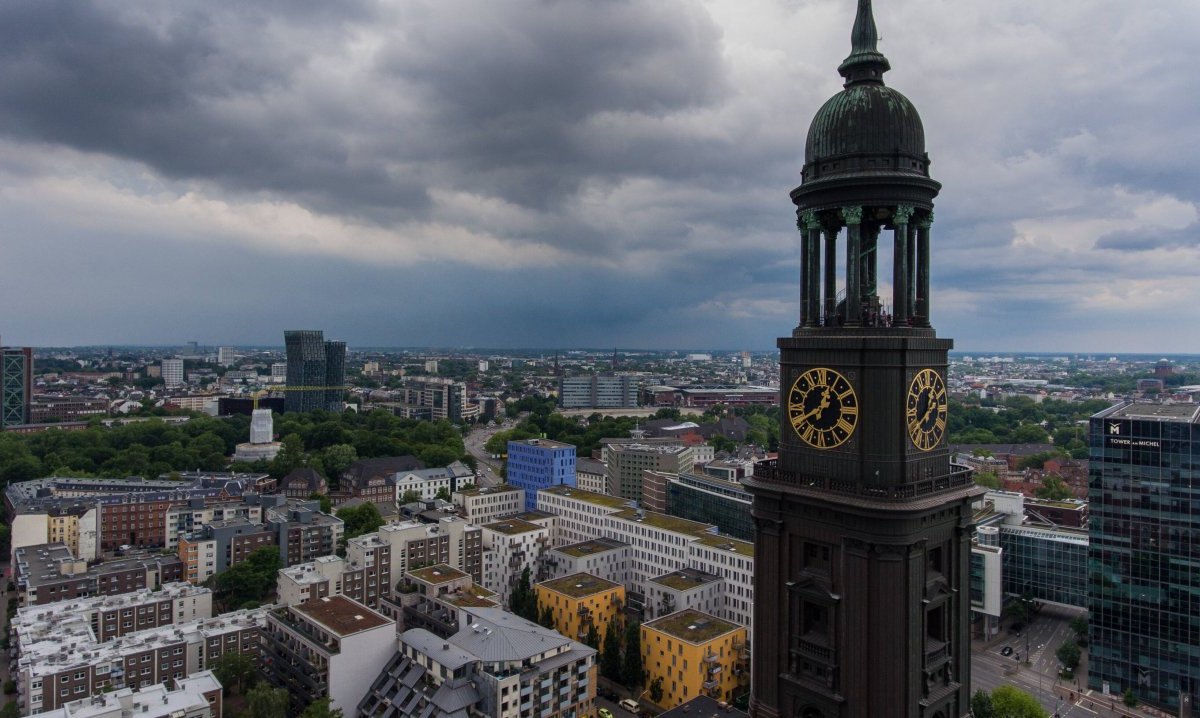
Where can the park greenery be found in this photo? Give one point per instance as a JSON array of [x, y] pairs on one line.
[[324, 441], [1021, 420]]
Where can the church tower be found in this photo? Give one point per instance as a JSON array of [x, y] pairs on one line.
[[863, 525]]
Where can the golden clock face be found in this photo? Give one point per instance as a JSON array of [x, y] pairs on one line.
[[926, 409], [822, 408]]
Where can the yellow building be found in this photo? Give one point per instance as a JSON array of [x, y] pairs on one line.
[[694, 654], [64, 528], [580, 600]]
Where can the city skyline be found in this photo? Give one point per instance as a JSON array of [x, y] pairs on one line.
[[574, 174]]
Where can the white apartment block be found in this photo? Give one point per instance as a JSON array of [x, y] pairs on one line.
[[684, 589], [61, 661], [172, 372], [483, 505], [509, 547], [603, 557], [226, 356], [199, 696], [452, 541], [658, 544], [425, 482]]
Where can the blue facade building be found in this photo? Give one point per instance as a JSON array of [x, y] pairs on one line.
[[1143, 561], [538, 464]]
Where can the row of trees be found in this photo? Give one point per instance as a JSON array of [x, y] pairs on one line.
[[1020, 420], [238, 675]]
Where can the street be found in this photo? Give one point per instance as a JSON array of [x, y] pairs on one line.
[[489, 467]]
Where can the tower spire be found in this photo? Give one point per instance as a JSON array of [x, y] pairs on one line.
[[865, 63]]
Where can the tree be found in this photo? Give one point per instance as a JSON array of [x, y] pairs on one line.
[[631, 667], [1028, 434], [987, 479], [326, 502], [1068, 655], [250, 580], [656, 689], [981, 705], [235, 669], [263, 701], [1012, 702], [610, 655], [592, 639], [290, 456], [547, 617], [410, 496], [443, 494], [361, 519], [1130, 699], [1054, 489], [523, 601], [320, 709]]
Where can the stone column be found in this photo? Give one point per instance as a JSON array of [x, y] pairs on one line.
[[922, 312], [900, 265], [802, 219], [852, 216], [870, 259], [831, 234], [813, 292], [912, 270]]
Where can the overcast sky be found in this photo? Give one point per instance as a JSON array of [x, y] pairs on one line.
[[555, 173]]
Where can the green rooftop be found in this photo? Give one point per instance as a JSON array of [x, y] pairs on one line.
[[587, 548], [730, 544], [684, 580], [474, 597], [579, 585], [692, 626], [513, 526], [614, 502], [665, 522], [477, 490], [440, 573]]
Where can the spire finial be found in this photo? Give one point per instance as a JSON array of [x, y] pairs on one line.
[[865, 63]]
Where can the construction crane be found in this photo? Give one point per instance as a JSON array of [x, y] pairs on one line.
[[264, 392]]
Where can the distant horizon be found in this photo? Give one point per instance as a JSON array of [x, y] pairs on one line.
[[596, 350]]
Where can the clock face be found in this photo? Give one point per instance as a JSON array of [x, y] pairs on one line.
[[822, 408], [926, 409]]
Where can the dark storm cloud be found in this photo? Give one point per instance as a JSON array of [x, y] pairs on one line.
[[492, 98], [1145, 239]]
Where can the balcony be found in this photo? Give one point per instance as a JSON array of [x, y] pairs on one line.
[[711, 657], [815, 647], [936, 653]]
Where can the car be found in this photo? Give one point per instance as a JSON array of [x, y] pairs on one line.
[[605, 713], [1006, 651], [629, 704]]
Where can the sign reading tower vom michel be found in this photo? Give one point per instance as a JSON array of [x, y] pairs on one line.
[[862, 525]]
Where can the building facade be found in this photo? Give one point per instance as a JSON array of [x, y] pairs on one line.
[[581, 604], [535, 464], [316, 371], [16, 385], [598, 391], [694, 654], [1144, 612], [172, 372], [625, 463]]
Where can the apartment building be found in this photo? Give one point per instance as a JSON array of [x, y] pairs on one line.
[[330, 646], [196, 513], [511, 546], [626, 462], [535, 464], [483, 505], [110, 617], [497, 665], [603, 557], [694, 654], [49, 573], [302, 532], [581, 604], [198, 696], [658, 545], [450, 540], [59, 662], [685, 589], [220, 545]]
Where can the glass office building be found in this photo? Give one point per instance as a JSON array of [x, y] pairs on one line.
[[1144, 558], [1048, 564], [711, 500]]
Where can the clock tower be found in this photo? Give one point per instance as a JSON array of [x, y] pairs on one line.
[[862, 524]]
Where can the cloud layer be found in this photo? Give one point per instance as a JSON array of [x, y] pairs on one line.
[[566, 172]]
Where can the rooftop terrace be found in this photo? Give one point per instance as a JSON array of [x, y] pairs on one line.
[[692, 626], [579, 585]]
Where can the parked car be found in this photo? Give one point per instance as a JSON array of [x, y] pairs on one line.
[[1006, 651], [629, 704], [605, 713]]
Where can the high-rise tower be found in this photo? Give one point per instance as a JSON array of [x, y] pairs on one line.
[[316, 371], [862, 525], [16, 385]]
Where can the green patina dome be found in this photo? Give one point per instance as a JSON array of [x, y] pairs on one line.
[[867, 128], [865, 119]]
